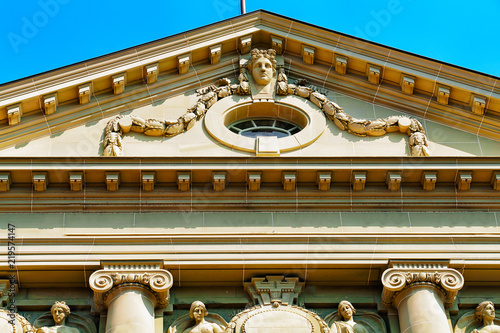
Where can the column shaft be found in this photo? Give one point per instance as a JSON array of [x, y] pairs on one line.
[[130, 310], [421, 310]]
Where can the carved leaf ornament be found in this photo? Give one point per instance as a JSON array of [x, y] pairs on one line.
[[208, 96]]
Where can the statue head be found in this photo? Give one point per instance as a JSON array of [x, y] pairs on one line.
[[198, 311], [262, 65], [485, 311], [59, 312], [346, 310]]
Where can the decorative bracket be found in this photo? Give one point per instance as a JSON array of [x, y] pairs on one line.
[[404, 275], [40, 181], [183, 62], [151, 72], [478, 104], [183, 181], [373, 72], [145, 274], [112, 180], [407, 84], [308, 54], [148, 180], [274, 289], [14, 113], [50, 103], [289, 180], [340, 64], [219, 180], [5, 181], [84, 93], [393, 181], [215, 53], [119, 81], [245, 44], [443, 94], [76, 181], [277, 44], [358, 180], [323, 179], [429, 179], [254, 181], [464, 179]]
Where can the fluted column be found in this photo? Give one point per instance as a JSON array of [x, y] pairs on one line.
[[131, 292], [420, 292]]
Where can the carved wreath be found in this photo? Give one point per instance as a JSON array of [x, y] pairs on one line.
[[120, 125]]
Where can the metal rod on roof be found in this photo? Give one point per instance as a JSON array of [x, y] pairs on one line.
[[243, 7]]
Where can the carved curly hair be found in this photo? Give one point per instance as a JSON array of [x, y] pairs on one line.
[[268, 54], [61, 305], [478, 314]]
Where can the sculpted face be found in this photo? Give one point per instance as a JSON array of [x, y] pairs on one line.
[[488, 312], [58, 315], [199, 313], [262, 71], [346, 311]]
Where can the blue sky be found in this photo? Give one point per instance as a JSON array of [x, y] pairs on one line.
[[39, 35]]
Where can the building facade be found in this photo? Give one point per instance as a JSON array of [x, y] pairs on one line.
[[288, 177]]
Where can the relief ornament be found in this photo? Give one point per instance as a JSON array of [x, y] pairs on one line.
[[198, 321], [262, 67]]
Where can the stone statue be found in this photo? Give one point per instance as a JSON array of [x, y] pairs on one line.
[[198, 321], [262, 66], [60, 312], [485, 314], [347, 323]]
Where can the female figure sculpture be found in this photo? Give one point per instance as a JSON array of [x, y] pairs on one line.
[[347, 323], [485, 314], [60, 312], [198, 312]]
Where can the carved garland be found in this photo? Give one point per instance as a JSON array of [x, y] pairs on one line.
[[120, 125]]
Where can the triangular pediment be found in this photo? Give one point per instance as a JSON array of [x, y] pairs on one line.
[[65, 112]]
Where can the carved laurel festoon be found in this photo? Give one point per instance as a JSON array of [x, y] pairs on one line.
[[401, 277], [159, 281], [208, 96]]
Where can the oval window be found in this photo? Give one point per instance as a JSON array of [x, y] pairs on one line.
[[254, 127]]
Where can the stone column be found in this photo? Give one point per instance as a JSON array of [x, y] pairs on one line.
[[131, 292], [420, 292]]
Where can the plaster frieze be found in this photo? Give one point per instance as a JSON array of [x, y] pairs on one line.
[[156, 280], [406, 275]]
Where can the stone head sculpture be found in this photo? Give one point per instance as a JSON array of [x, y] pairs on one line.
[[346, 310], [262, 66], [60, 312]]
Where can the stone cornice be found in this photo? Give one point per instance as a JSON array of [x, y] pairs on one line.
[[406, 275], [146, 275]]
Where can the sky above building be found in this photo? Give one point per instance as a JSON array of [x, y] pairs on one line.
[[40, 35]]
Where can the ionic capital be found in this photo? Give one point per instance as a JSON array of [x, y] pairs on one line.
[[404, 275], [143, 275]]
